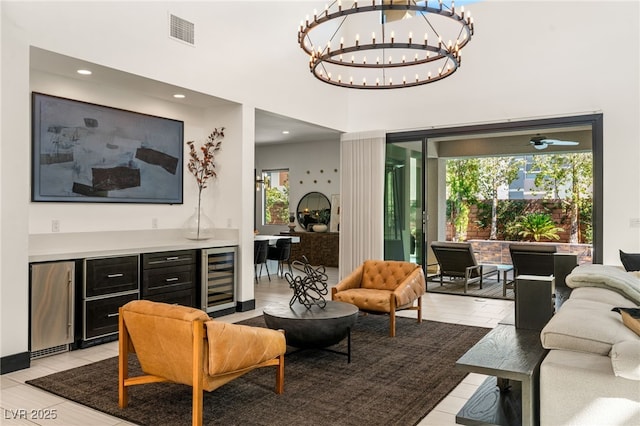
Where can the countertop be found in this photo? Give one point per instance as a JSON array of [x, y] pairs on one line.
[[80, 245]]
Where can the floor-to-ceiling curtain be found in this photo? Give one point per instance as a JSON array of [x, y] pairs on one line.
[[361, 199]]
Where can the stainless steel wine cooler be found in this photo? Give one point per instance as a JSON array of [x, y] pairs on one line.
[[219, 278]]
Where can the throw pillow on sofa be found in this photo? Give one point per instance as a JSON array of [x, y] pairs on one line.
[[630, 318], [630, 261]]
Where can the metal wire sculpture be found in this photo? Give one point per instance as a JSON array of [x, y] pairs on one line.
[[308, 289]]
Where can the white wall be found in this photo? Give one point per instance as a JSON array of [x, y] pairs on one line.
[[527, 60], [26, 24], [533, 60], [14, 189], [198, 122], [321, 159]]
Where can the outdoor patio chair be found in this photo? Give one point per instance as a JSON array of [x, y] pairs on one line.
[[542, 259], [458, 263], [532, 259]]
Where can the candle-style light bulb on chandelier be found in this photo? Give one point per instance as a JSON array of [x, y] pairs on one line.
[[385, 44]]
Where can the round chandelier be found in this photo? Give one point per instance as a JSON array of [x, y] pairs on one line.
[[385, 44]]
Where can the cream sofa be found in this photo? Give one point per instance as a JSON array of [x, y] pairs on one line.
[[591, 375]]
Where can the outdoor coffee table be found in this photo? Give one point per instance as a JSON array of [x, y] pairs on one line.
[[314, 328]]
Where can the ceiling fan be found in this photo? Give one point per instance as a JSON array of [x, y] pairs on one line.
[[542, 142]]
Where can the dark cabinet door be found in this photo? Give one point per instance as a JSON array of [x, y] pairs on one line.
[[111, 275], [164, 280], [181, 297], [101, 315], [170, 277], [168, 258]]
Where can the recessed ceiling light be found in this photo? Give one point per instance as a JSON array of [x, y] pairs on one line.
[[179, 96], [84, 72], [285, 132]]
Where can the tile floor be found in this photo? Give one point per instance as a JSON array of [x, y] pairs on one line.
[[16, 395]]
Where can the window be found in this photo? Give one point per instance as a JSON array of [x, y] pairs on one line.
[[275, 197]]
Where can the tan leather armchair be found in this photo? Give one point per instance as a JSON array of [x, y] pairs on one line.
[[383, 286], [183, 345]]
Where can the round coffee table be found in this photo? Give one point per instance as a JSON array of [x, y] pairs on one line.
[[316, 327]]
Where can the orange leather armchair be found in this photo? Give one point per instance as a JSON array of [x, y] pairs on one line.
[[383, 286], [183, 345]]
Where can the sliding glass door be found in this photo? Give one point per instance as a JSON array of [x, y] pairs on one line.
[[415, 199], [404, 202]]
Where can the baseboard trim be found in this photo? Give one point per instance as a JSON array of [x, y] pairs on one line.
[[247, 305], [15, 362]]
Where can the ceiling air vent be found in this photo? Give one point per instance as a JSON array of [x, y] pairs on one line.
[[181, 29]]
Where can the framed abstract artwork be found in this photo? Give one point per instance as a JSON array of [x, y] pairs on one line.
[[85, 152]]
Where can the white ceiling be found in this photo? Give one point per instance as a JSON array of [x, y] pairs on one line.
[[269, 126]]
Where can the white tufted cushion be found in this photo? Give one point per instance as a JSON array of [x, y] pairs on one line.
[[585, 326]]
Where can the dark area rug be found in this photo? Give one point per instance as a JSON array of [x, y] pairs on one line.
[[390, 381], [491, 289]]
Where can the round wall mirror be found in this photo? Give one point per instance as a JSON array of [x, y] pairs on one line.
[[313, 208]]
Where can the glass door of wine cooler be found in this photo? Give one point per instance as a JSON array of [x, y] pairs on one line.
[[219, 278]]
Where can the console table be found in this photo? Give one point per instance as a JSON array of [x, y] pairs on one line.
[[512, 357]]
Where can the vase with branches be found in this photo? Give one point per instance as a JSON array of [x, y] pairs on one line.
[[202, 166]]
